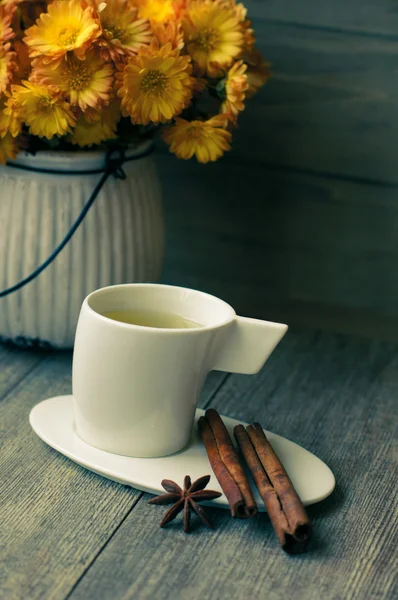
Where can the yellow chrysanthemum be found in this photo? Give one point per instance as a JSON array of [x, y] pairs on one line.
[[156, 10], [8, 149], [66, 27], [169, 32], [213, 34], [10, 117], [247, 30], [43, 109], [239, 9], [85, 82], [207, 140], [6, 15], [3, 117], [122, 32], [91, 114], [258, 72], [96, 131], [7, 66], [156, 84], [235, 90]]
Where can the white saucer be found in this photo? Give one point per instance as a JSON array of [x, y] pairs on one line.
[[52, 420]]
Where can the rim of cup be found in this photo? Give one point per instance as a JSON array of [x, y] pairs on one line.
[[222, 306]]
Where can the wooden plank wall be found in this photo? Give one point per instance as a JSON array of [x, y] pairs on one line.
[[301, 218]]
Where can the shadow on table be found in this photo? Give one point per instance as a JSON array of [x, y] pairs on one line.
[[260, 528], [328, 506]]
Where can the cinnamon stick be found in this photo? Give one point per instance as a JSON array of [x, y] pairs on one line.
[[286, 511], [226, 465]]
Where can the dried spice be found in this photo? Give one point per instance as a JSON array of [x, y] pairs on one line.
[[227, 465], [186, 499], [285, 509]]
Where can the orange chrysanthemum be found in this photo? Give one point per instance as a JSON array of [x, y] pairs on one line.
[[213, 34], [85, 82], [169, 32], [156, 84], [6, 15], [8, 148], [73, 67], [22, 61], [248, 35], [207, 140], [96, 131], [7, 66], [66, 27], [235, 90], [43, 109], [10, 118], [258, 71], [199, 86], [156, 11], [122, 31], [179, 8]]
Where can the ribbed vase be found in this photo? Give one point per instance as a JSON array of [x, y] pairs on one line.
[[119, 241]]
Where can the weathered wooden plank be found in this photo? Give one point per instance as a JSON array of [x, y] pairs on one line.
[[251, 235], [362, 16], [330, 107], [55, 516], [353, 321], [337, 397], [15, 364]]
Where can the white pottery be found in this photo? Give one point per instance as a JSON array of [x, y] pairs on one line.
[[120, 239], [136, 388], [52, 420]]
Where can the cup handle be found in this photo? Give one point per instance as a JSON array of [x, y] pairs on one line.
[[248, 344]]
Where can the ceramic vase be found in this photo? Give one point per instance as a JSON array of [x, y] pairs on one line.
[[120, 239]]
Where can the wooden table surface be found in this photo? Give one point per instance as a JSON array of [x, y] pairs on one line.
[[68, 533]]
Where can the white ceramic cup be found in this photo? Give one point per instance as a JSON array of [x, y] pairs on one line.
[[135, 388]]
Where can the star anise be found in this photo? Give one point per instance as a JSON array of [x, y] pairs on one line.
[[185, 499]]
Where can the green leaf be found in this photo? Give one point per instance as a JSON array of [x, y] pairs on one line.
[[220, 89]]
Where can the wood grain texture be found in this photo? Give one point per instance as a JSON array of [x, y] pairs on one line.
[[335, 396], [360, 16], [55, 516], [327, 317], [15, 364], [250, 235], [330, 106]]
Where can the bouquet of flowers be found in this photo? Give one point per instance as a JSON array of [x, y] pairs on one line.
[[106, 73]]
